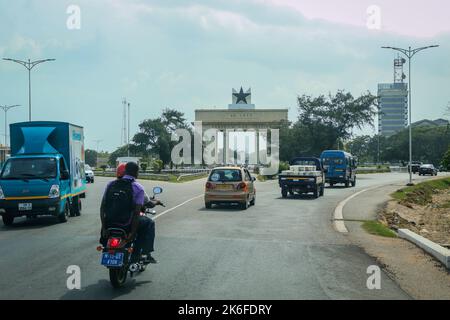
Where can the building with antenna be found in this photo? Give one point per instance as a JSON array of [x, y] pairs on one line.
[[393, 102]]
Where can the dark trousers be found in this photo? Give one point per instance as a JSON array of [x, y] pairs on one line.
[[145, 235]]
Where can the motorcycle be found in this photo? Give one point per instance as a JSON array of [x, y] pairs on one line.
[[119, 254]]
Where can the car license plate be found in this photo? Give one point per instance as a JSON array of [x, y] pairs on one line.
[[25, 206], [224, 187], [112, 259]]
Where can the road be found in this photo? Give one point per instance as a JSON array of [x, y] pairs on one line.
[[278, 249]]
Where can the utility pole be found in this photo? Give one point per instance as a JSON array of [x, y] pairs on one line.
[[29, 65], [6, 109], [97, 142], [124, 140], [409, 53], [128, 135]]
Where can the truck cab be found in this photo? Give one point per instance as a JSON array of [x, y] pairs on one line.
[[45, 173], [340, 167]]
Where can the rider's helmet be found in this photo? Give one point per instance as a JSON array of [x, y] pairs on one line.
[[120, 171]]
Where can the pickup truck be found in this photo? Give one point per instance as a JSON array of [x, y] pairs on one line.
[[305, 175], [45, 173]]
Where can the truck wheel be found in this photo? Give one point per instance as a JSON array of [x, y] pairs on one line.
[[284, 193], [62, 217], [316, 192], [75, 208], [347, 183], [354, 182], [322, 190], [7, 219]]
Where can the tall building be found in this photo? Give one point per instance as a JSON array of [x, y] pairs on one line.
[[393, 102]]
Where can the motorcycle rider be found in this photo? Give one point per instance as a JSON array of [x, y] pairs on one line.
[[139, 226]]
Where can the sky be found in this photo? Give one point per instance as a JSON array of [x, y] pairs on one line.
[[190, 54]]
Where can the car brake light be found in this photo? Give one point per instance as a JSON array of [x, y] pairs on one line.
[[242, 186], [113, 242], [209, 185]]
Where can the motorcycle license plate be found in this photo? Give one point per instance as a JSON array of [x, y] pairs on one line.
[[112, 259]]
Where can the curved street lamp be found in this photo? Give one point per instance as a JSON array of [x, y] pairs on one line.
[[410, 53], [6, 109], [29, 65]]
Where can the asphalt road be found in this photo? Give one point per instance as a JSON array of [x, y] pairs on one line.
[[278, 249]]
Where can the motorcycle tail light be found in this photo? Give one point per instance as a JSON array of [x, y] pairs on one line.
[[113, 242]]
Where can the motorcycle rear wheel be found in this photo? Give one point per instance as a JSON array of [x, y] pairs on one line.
[[118, 276]]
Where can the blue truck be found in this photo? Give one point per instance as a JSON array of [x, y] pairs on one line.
[[340, 167], [45, 173]]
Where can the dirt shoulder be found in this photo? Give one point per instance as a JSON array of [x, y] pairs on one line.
[[430, 219], [416, 272]]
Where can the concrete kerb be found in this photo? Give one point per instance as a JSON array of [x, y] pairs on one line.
[[440, 253]]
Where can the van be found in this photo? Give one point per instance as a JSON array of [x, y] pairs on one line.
[[340, 167]]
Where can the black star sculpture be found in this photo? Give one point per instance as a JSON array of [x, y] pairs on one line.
[[241, 96]]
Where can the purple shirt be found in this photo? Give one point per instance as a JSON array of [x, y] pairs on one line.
[[138, 190]]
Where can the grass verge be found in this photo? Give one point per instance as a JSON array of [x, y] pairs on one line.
[[378, 229], [421, 193]]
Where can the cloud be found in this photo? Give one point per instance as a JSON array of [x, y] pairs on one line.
[[189, 54]]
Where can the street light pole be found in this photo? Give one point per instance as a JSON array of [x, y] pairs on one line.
[[409, 53], [6, 109], [97, 142], [128, 134], [29, 65]]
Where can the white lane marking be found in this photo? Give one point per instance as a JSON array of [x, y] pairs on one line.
[[177, 206], [338, 216]]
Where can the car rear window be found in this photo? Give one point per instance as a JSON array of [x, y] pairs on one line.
[[225, 175]]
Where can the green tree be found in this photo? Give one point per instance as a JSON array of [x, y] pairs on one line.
[[325, 120], [119, 152], [90, 157], [157, 165], [154, 136], [446, 160]]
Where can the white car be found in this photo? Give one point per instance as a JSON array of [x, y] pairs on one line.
[[89, 173]]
